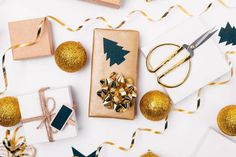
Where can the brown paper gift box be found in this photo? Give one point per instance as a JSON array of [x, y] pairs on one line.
[[24, 32], [101, 68], [109, 3]]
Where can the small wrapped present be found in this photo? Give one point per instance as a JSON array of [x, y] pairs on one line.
[[109, 3], [39, 109], [25, 32], [114, 74]]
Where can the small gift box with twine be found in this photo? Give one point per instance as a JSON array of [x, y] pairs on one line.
[[38, 110]]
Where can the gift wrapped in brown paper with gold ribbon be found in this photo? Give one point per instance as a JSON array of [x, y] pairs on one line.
[[114, 74], [25, 31], [109, 3]]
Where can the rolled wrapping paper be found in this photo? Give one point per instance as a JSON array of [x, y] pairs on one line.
[[118, 93]]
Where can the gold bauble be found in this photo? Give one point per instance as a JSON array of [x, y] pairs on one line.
[[149, 154], [70, 56], [9, 111], [227, 120], [155, 105]]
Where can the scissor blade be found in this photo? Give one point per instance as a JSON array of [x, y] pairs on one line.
[[203, 38]]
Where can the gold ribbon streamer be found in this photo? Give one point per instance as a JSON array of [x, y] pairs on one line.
[[211, 84], [197, 106], [132, 140], [100, 18], [38, 35], [16, 146], [231, 69], [105, 21]]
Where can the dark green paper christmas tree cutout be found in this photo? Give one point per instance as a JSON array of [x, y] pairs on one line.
[[76, 153], [228, 34], [114, 52]]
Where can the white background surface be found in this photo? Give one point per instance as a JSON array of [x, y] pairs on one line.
[[213, 138], [185, 131]]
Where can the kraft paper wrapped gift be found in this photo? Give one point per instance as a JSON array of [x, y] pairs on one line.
[[103, 65], [30, 107], [25, 31], [110, 3]]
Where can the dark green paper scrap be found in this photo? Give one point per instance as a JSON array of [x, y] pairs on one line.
[[228, 34], [114, 52], [76, 153]]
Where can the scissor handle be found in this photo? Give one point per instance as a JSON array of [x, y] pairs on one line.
[[172, 68], [151, 52], [159, 78], [175, 66]]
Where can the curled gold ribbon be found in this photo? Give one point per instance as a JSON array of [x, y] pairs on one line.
[[131, 143], [198, 104], [231, 69], [16, 146], [38, 35], [211, 84], [100, 18], [118, 93]]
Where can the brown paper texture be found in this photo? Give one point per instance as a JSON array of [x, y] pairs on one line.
[[24, 32], [101, 68], [109, 3]]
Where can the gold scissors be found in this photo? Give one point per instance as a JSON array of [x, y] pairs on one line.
[[190, 48]]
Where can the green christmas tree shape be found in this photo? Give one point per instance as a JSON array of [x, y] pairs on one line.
[[78, 154], [228, 34], [114, 52]]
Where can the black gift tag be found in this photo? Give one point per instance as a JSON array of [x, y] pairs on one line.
[[62, 117]]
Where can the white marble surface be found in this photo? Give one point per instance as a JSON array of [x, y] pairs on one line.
[[185, 131]]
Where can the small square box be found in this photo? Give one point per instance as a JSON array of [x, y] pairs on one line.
[[25, 32], [31, 111], [109, 3]]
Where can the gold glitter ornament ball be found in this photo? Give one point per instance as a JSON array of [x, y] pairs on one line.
[[227, 120], [149, 154], [9, 111], [70, 56], [155, 105]]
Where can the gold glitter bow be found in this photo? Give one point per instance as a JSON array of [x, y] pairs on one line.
[[118, 93], [16, 146]]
